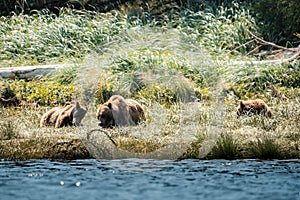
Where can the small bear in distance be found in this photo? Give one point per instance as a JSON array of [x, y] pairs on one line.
[[251, 107]]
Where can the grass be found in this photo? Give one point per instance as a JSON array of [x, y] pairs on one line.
[[8, 130], [226, 147], [46, 38], [165, 66], [266, 148], [176, 125]]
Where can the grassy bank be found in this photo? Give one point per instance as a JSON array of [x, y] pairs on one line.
[[244, 137], [165, 65]]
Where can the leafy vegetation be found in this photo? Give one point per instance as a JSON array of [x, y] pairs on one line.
[[45, 37]]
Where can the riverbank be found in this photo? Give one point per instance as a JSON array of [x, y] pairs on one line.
[[185, 136]]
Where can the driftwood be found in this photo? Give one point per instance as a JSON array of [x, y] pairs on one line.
[[279, 55], [28, 72]]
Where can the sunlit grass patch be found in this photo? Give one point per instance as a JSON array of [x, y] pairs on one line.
[[43, 148], [137, 145]]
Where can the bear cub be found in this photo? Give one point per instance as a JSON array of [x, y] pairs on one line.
[[251, 107], [118, 111]]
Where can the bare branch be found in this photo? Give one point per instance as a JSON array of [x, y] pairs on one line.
[[263, 42]]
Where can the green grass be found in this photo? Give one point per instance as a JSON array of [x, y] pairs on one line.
[[226, 147], [46, 38], [266, 148]]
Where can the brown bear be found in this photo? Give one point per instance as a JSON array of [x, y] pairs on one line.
[[64, 116], [118, 111], [256, 106]]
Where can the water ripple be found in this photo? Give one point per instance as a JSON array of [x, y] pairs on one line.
[[150, 179]]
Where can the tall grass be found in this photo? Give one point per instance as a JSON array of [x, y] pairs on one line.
[[44, 37], [226, 147]]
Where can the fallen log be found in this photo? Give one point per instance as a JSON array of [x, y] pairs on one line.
[[28, 72]]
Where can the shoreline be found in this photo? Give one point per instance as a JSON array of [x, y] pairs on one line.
[[73, 149]]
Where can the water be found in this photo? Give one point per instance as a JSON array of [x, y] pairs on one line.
[[150, 179]]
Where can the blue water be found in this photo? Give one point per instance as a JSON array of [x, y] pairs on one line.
[[150, 179]]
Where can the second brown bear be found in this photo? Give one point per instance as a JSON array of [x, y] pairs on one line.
[[64, 116], [118, 111]]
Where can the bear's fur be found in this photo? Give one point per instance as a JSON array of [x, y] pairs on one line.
[[256, 106], [118, 111], [64, 116]]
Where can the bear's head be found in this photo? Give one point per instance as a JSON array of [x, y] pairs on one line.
[[105, 115], [244, 108], [79, 113]]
